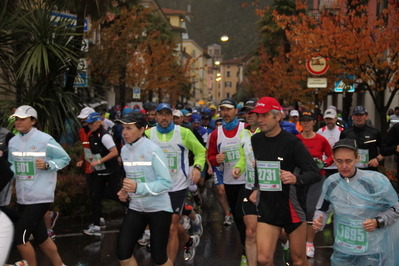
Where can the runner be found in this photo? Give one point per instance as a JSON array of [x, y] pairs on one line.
[[223, 153], [368, 139], [146, 185], [282, 197], [176, 141], [35, 157], [318, 147], [366, 210]]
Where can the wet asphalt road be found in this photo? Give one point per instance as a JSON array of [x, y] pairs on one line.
[[219, 244]]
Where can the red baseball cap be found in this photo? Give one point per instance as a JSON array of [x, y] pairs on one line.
[[266, 104]]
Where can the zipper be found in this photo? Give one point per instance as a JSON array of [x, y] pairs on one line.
[[347, 194]]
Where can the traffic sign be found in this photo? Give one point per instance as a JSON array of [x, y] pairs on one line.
[[317, 83], [340, 85], [136, 93], [317, 65], [73, 18], [80, 80]]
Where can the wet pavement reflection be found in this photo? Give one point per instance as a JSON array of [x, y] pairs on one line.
[[219, 246]]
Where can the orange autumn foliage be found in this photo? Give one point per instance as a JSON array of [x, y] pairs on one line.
[[135, 51]]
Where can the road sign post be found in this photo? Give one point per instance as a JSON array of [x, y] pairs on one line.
[[317, 65], [136, 93]]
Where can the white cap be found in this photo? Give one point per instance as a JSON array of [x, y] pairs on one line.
[[294, 113], [25, 111], [177, 113], [330, 113], [85, 112]]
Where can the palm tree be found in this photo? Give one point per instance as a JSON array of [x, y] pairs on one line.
[[41, 56]]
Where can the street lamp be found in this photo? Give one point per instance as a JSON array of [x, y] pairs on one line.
[[224, 38]]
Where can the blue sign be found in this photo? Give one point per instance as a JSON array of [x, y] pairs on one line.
[[136, 93], [340, 85], [80, 79], [72, 18]]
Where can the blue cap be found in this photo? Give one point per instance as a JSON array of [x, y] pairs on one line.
[[184, 111], [126, 111], [195, 118], [163, 106], [93, 117]]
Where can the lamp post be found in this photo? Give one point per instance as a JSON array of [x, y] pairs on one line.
[[224, 38]]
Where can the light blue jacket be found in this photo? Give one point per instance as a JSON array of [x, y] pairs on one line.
[[34, 185], [145, 162]]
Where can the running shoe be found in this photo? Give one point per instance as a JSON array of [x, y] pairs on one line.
[[244, 261], [51, 234], [53, 218], [197, 228], [144, 240], [189, 252], [21, 263], [287, 256], [186, 222], [228, 220], [103, 224], [310, 250], [93, 230]]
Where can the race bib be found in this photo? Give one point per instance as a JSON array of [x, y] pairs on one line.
[[232, 155], [364, 158], [101, 166], [351, 235], [250, 176], [139, 178], [87, 153], [24, 168], [269, 176], [171, 157]]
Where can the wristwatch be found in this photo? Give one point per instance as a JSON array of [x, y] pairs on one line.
[[198, 167], [380, 222], [47, 166]]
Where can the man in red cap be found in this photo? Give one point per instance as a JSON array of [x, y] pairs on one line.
[[282, 198]]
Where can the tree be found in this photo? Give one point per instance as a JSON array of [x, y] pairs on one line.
[[40, 54], [270, 72], [356, 42], [136, 49]]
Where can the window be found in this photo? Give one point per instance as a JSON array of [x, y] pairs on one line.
[[216, 51], [228, 74], [227, 84], [228, 95], [210, 51]]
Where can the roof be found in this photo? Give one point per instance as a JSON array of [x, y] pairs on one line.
[[234, 61], [168, 11]]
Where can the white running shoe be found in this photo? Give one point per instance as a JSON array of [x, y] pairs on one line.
[[144, 240], [228, 220], [189, 252], [310, 250], [93, 230]]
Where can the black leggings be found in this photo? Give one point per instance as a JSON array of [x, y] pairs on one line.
[[235, 195], [31, 222], [103, 186], [133, 227]]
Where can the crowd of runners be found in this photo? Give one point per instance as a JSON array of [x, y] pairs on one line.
[[278, 181]]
